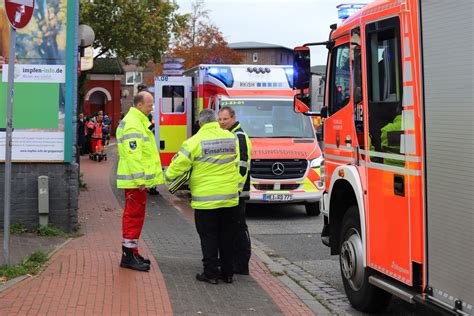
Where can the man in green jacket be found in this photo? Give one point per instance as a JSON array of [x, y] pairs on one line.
[[139, 168], [242, 244], [210, 155]]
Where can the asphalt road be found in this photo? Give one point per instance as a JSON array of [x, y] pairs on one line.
[[291, 234]]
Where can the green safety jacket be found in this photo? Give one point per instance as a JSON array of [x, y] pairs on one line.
[[390, 140], [211, 156], [139, 161], [244, 156]]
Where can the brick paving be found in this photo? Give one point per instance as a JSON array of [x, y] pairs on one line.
[[84, 277]]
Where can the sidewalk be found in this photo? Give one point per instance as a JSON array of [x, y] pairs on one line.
[[84, 277]]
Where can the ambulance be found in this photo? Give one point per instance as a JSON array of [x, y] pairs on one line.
[[285, 152], [398, 203]]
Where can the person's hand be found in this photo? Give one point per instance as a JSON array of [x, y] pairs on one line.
[[142, 187], [2, 61]]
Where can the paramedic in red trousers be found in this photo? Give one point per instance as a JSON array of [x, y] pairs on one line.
[[242, 245], [214, 185], [139, 168]]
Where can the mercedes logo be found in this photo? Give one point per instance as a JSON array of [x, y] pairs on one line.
[[278, 168]]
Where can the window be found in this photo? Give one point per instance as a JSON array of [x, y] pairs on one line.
[[357, 87], [340, 78], [384, 81], [255, 57], [133, 77], [173, 99]]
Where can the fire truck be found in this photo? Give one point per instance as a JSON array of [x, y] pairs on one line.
[[285, 152], [398, 203]]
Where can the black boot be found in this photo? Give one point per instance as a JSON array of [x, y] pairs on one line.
[[131, 261], [144, 260]]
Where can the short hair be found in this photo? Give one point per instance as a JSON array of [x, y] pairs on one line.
[[207, 116], [139, 97], [228, 109]]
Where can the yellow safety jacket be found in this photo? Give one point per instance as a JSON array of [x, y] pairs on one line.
[[139, 161], [244, 158], [211, 157]]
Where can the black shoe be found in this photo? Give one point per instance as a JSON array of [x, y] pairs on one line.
[[203, 278], [226, 279], [242, 271], [131, 261], [144, 260]]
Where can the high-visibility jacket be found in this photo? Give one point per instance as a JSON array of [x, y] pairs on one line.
[[390, 140], [243, 158], [139, 161], [211, 156], [97, 130]]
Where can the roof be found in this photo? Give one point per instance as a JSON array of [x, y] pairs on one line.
[[254, 45], [107, 66]]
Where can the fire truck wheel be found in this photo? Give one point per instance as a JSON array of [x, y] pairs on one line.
[[312, 209], [363, 296]]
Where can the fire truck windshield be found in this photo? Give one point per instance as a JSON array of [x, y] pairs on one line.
[[270, 118]]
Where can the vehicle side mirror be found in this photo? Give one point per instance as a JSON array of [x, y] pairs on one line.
[[302, 102], [301, 67]]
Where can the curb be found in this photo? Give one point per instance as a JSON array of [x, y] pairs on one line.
[[274, 267], [21, 278]]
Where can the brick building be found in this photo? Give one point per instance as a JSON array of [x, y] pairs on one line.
[[263, 53]]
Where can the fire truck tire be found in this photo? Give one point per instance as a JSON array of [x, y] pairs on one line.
[[312, 209], [363, 296]]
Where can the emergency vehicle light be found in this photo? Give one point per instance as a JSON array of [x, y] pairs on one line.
[[346, 10], [223, 74], [289, 76]]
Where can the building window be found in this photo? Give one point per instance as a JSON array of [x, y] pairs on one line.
[[133, 77], [255, 57]]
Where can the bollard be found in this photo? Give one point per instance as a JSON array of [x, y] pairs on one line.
[[43, 200]]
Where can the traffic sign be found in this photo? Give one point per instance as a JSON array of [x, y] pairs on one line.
[[173, 72], [171, 60], [172, 66], [19, 12]]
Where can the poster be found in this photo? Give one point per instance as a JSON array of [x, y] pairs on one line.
[[40, 84]]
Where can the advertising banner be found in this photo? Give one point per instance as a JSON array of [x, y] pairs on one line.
[[39, 103]]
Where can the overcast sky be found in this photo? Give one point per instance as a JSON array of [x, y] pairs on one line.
[[283, 22]]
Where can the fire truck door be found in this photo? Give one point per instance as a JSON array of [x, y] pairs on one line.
[[387, 207], [172, 115]]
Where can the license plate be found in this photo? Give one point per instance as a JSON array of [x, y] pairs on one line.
[[277, 197]]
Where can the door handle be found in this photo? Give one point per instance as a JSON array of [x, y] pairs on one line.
[[162, 144], [399, 184]]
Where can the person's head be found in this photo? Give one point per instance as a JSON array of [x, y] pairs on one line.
[[143, 101], [207, 116], [226, 117], [100, 116], [81, 116]]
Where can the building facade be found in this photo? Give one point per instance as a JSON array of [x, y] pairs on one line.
[[263, 54]]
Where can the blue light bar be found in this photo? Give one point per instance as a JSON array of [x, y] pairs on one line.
[[346, 10], [223, 74]]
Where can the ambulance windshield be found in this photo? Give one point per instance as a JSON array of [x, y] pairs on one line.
[[271, 118]]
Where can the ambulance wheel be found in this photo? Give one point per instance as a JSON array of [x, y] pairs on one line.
[[363, 296], [312, 209]]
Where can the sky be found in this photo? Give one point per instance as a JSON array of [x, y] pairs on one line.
[[288, 23]]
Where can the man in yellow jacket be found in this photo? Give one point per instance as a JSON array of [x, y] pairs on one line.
[[210, 155], [139, 168]]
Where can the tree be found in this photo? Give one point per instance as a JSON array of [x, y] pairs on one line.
[[201, 42], [139, 30]]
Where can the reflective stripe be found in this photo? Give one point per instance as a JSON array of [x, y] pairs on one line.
[[344, 148], [222, 146], [341, 158], [133, 135], [131, 176], [390, 168], [122, 124], [239, 133], [407, 74], [243, 164], [407, 96], [215, 197], [390, 156], [185, 152], [150, 176], [216, 161], [130, 243]]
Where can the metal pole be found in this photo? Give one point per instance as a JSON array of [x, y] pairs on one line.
[[8, 149]]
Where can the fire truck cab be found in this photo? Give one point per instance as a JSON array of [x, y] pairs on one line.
[[398, 202], [285, 152]]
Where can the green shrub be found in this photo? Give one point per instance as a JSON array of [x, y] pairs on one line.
[[31, 265]]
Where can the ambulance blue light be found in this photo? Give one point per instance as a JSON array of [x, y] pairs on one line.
[[289, 76], [223, 74], [346, 10]]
